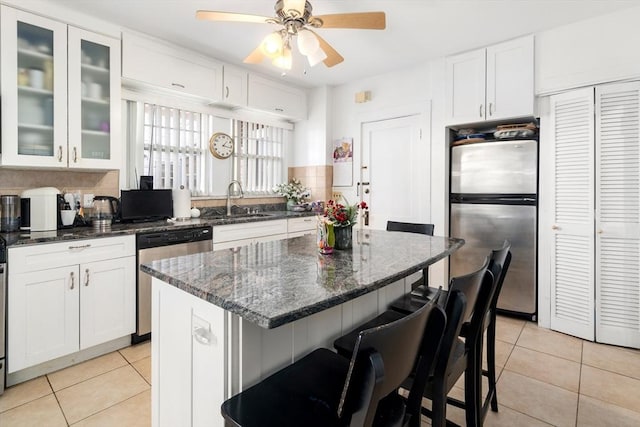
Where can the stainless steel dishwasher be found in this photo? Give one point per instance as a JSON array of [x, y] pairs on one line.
[[158, 245]]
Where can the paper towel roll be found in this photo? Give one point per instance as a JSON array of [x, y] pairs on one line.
[[181, 204]]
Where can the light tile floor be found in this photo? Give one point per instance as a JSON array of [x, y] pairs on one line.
[[546, 378]]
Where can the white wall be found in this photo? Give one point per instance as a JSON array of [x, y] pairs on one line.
[[404, 92], [602, 49], [310, 137]]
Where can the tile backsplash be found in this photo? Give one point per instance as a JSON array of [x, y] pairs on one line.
[[97, 183], [12, 181], [317, 178]]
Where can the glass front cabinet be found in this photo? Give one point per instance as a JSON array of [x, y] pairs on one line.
[[58, 84]]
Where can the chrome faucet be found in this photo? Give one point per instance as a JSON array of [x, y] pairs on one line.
[[229, 194]]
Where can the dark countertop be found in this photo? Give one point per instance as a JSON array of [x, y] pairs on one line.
[[277, 282], [27, 238]]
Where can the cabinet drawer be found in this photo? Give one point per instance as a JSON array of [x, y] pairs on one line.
[[301, 224], [226, 233], [53, 255]]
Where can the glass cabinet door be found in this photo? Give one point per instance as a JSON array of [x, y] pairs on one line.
[[94, 97], [34, 90]]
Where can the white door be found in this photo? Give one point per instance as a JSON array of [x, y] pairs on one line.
[[107, 300], [569, 219], [395, 178], [618, 214], [42, 316]]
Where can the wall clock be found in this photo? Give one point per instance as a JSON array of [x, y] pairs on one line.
[[221, 145]]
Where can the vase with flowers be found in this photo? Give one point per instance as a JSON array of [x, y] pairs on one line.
[[343, 217], [294, 192]]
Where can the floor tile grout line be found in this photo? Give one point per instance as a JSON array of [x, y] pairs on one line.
[[86, 379], [55, 396], [580, 382], [109, 407]]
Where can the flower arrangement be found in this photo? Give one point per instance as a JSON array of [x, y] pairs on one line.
[[343, 215], [293, 190]]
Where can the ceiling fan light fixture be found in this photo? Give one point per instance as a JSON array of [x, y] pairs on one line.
[[295, 7], [284, 60], [316, 57], [272, 45], [307, 42]]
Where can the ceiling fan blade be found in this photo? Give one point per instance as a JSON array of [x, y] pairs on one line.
[[254, 57], [333, 57], [365, 20], [211, 15]]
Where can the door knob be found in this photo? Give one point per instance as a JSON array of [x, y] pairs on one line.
[[366, 191]]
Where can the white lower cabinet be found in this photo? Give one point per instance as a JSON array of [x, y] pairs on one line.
[[301, 226], [67, 297], [188, 366], [233, 235]]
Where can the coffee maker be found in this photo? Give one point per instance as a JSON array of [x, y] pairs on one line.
[[39, 209]]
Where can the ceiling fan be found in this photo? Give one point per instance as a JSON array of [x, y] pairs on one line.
[[297, 21]]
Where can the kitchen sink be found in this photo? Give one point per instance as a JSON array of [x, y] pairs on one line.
[[242, 216]]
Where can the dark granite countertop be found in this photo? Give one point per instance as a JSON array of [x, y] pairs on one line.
[[277, 282], [75, 233]]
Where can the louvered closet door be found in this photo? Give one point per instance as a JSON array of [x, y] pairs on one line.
[[572, 243], [618, 214]]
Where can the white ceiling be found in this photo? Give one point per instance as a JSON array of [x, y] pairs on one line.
[[417, 30]]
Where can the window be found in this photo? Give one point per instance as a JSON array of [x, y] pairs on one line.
[[174, 148], [172, 145], [259, 153]]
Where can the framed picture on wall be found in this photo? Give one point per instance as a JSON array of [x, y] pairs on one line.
[[343, 162]]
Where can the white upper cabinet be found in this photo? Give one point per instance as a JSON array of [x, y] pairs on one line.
[[34, 86], [94, 100], [493, 83], [234, 86], [149, 62], [61, 94], [277, 98]]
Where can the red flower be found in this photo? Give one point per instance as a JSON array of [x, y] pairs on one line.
[[343, 215]]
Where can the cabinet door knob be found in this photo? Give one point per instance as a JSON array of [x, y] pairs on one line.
[[555, 227], [181, 86], [75, 155], [481, 107], [226, 91], [60, 153], [491, 108], [86, 277], [73, 280]]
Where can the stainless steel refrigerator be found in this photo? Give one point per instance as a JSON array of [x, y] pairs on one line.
[[493, 198]]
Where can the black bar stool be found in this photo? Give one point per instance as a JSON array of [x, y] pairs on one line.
[[326, 389], [413, 227], [454, 357]]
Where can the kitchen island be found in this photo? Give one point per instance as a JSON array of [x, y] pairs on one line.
[[225, 319]]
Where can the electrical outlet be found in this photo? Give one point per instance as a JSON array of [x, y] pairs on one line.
[[87, 202], [336, 195]]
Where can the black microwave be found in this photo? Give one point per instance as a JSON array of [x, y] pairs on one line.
[[145, 205]]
